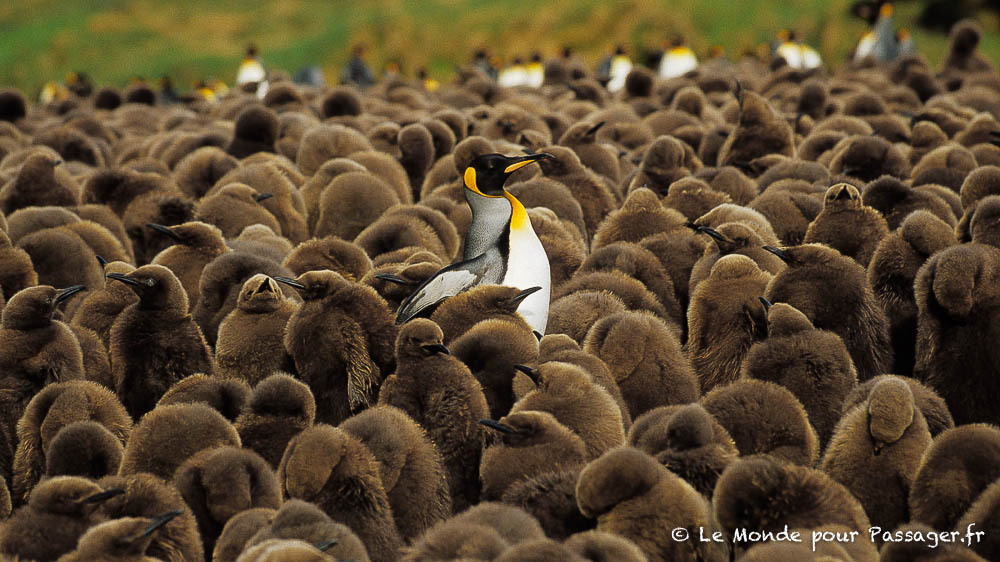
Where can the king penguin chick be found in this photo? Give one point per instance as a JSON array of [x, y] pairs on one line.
[[239, 530], [343, 366], [531, 443], [566, 392], [833, 292], [279, 408], [459, 313], [813, 364], [560, 347], [625, 486], [958, 291], [99, 308], [759, 132], [154, 342], [725, 319], [169, 435], [410, 466], [226, 396], [449, 410], [601, 546], [305, 521], [17, 271], [490, 349], [957, 467], [83, 448], [983, 514], [218, 483], [234, 207], [764, 418], [195, 245], [589, 189], [645, 359], [847, 225], [876, 451], [329, 467], [501, 248], [931, 406], [250, 345], [728, 239], [119, 540], [59, 511], [36, 185]]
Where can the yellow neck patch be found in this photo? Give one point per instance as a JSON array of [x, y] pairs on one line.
[[518, 216], [470, 182]]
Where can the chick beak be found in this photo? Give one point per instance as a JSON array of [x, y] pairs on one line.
[[124, 279], [715, 234], [68, 292], [392, 278], [531, 372], [525, 294], [779, 252], [101, 261], [290, 282], [326, 545], [522, 161], [160, 521], [164, 230], [434, 349], [593, 130], [103, 496], [843, 194], [262, 196], [501, 427], [767, 304]]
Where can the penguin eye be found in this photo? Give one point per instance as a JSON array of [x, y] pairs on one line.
[[48, 300], [149, 282]]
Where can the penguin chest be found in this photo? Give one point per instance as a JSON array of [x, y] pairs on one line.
[[528, 266]]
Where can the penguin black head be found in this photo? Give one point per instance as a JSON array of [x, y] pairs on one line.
[[487, 173], [33, 307]]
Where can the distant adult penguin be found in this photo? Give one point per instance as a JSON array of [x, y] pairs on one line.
[[250, 345], [154, 342], [501, 248], [279, 408], [847, 225], [341, 341], [450, 417], [833, 292]]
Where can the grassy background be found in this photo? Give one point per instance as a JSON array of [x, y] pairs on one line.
[[114, 40]]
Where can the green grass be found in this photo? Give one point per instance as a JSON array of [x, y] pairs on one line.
[[114, 40]]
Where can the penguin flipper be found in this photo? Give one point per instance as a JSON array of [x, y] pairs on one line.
[[448, 282]]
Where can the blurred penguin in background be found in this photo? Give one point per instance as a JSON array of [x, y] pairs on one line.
[[614, 69], [356, 71], [251, 76], [678, 59]]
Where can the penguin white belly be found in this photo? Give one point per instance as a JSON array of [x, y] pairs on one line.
[[528, 266]]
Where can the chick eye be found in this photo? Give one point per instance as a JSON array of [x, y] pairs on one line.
[[149, 282], [48, 300]]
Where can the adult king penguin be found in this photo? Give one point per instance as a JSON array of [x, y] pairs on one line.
[[501, 248]]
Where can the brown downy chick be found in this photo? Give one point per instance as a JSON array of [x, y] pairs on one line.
[[219, 483], [195, 245], [255, 131], [757, 133], [99, 308], [154, 342], [763, 494], [982, 224], [416, 147], [490, 349], [84, 448], [119, 540], [226, 396], [813, 364], [895, 201], [876, 451], [728, 239], [582, 138], [567, 392], [37, 185], [280, 179], [560, 347], [239, 530], [540, 550], [170, 435], [458, 314], [149, 496], [166, 208], [664, 161], [574, 314], [688, 441], [764, 418], [17, 271], [250, 346], [847, 225], [60, 257], [456, 540], [352, 202], [931, 406], [411, 468], [625, 486], [531, 443], [645, 359], [197, 172], [342, 366], [331, 253], [962, 54], [305, 521], [958, 291], [728, 212], [449, 410], [833, 292], [867, 158], [52, 409], [60, 510], [285, 550], [590, 190], [789, 212], [958, 466], [725, 319], [396, 280], [693, 197], [631, 291], [234, 207], [279, 408], [601, 546], [892, 273], [983, 516], [327, 466], [641, 264], [981, 182], [641, 215], [550, 497]]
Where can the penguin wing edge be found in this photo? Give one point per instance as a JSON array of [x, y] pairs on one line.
[[448, 282]]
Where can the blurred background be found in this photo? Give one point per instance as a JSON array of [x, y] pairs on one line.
[[114, 41]]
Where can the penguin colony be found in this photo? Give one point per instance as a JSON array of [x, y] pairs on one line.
[[507, 323]]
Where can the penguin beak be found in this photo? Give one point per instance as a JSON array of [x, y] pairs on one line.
[[995, 138], [263, 196], [159, 521], [326, 545], [69, 292], [843, 194], [124, 279], [392, 278], [103, 496], [101, 261], [290, 282], [780, 253], [435, 348], [715, 234], [531, 372], [164, 230], [593, 130], [501, 427], [767, 304], [525, 294], [693, 226], [522, 161]]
